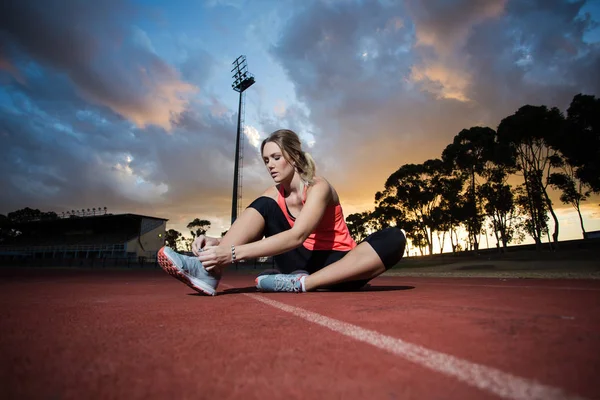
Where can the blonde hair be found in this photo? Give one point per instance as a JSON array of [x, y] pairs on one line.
[[289, 143]]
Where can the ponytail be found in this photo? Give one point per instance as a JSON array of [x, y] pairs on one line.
[[308, 168]]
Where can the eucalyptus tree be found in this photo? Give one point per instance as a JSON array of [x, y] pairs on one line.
[[573, 190], [530, 132], [450, 214], [440, 225], [385, 215], [171, 238], [497, 196], [357, 225], [414, 189], [468, 155], [500, 207], [530, 202], [417, 239], [198, 227], [580, 144]]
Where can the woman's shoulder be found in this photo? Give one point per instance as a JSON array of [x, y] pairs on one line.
[[271, 192], [323, 184], [321, 181]]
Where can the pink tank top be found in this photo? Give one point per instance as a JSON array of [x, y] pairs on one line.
[[332, 232]]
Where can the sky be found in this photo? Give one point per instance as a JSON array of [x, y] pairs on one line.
[[128, 104]]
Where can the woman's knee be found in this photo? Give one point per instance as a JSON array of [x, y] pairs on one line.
[[264, 206], [397, 239], [389, 244]]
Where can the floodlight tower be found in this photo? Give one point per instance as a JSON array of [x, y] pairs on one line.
[[242, 81]]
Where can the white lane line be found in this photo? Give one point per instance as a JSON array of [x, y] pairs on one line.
[[486, 378]]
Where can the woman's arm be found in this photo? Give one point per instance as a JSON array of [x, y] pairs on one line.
[[317, 201]]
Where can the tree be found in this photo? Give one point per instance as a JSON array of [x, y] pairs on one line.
[[383, 216], [415, 236], [6, 230], [357, 225], [500, 208], [573, 190], [414, 190], [530, 133], [198, 227], [468, 154], [531, 203], [186, 243], [171, 238], [580, 141], [452, 204], [27, 214], [439, 224]]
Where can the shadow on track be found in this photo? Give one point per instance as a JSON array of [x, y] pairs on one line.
[[367, 288], [383, 288]]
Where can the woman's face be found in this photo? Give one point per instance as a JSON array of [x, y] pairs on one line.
[[276, 164]]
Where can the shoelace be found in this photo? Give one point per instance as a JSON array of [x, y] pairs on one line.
[[192, 266], [285, 284]]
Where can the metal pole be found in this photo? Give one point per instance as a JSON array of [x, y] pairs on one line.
[[236, 165]]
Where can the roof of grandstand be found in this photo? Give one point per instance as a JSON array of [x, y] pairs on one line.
[[113, 228], [86, 218]]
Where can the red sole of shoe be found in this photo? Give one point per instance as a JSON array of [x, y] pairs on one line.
[[172, 270]]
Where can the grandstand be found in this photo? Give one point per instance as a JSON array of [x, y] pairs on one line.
[[101, 236]]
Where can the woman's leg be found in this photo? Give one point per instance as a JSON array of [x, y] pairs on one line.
[[379, 252], [250, 226], [264, 218]]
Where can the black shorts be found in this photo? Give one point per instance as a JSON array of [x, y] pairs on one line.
[[388, 243]]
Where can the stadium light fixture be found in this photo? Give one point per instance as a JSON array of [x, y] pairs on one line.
[[242, 80]]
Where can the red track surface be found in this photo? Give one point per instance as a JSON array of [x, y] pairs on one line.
[[71, 334]]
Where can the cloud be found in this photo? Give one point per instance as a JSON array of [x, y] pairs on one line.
[[109, 64], [447, 83], [252, 136], [231, 3], [444, 27], [87, 94], [446, 67]]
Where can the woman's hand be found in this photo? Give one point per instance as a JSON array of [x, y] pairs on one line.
[[202, 241], [215, 257]]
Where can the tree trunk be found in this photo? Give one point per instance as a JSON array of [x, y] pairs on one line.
[[474, 221], [554, 217], [443, 242], [536, 230], [581, 220]]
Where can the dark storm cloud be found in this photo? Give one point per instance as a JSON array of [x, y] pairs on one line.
[[84, 109], [443, 67], [91, 43], [70, 154], [443, 23]]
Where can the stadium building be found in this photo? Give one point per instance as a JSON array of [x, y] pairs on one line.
[[127, 236]]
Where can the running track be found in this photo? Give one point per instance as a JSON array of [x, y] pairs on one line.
[[72, 334]]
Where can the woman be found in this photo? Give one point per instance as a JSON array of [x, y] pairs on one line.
[[304, 229]]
